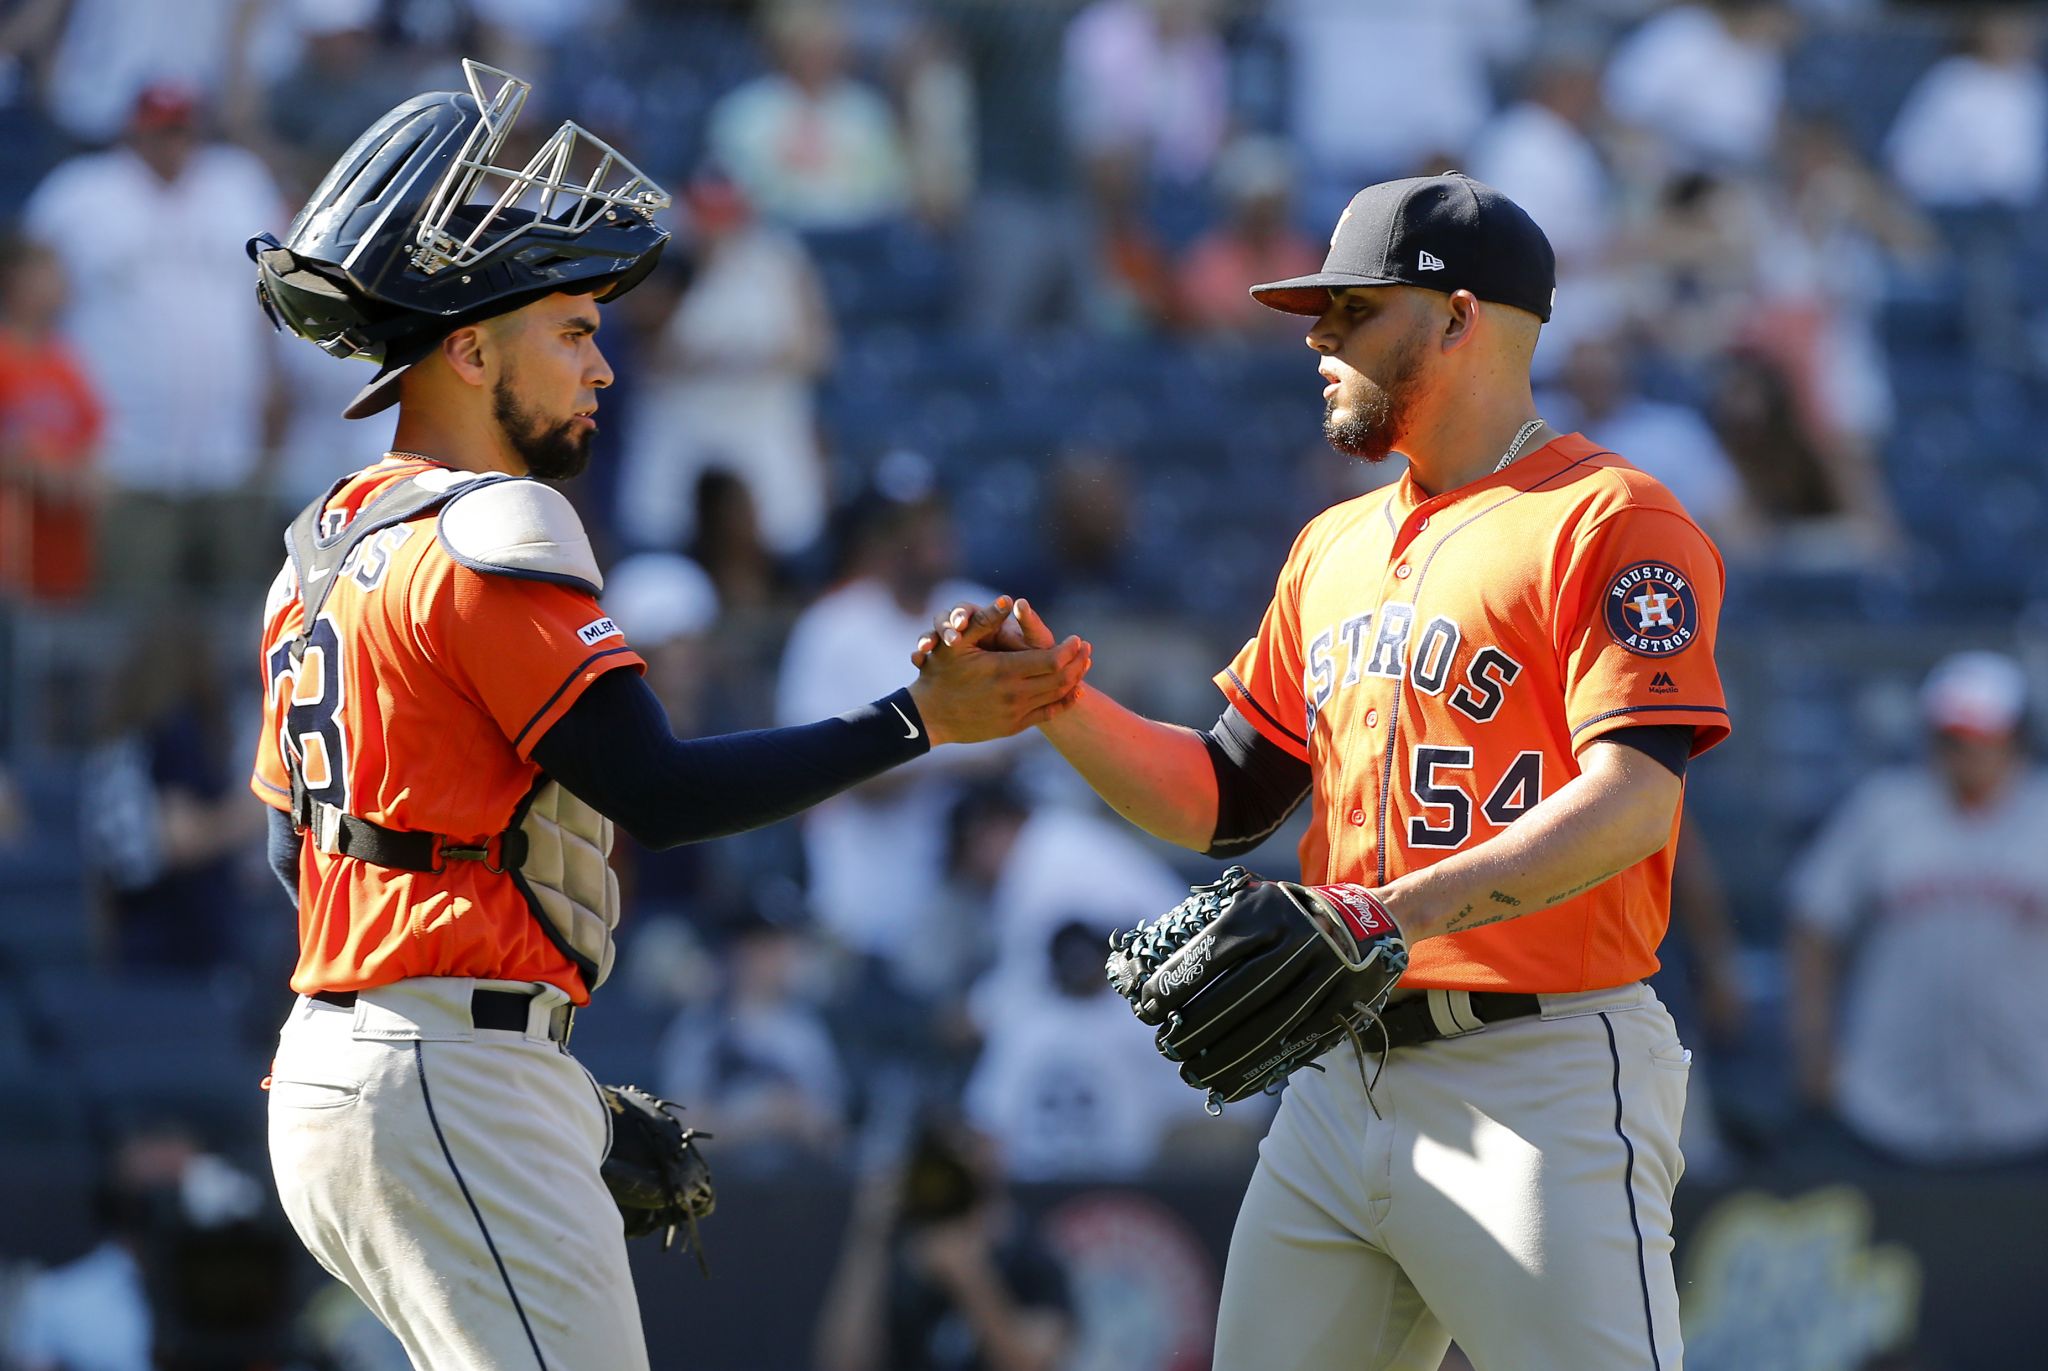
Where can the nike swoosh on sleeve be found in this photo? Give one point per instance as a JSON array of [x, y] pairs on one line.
[[910, 729]]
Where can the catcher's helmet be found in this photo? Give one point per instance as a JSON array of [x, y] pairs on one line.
[[397, 248]]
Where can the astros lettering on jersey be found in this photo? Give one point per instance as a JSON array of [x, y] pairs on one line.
[[411, 712], [1440, 661]]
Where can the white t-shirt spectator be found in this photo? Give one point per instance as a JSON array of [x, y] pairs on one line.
[[112, 49], [876, 859], [1075, 1089], [1971, 133], [1543, 163], [737, 404], [90, 1315], [825, 163], [1128, 85], [1356, 112], [1943, 1053], [1712, 96], [1066, 865], [163, 311]]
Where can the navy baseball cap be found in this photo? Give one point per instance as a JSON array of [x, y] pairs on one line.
[[1444, 233]]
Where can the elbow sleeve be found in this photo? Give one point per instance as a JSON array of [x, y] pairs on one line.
[[1258, 784]]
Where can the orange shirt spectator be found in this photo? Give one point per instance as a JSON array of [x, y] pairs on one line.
[[50, 425]]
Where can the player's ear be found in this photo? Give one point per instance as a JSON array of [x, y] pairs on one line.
[[465, 352], [1460, 318]]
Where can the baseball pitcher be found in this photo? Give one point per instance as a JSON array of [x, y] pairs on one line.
[[1487, 680]]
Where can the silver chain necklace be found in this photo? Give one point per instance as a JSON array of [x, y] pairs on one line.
[[1515, 448], [418, 456]]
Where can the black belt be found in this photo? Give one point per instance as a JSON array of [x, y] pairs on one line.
[[1410, 1023], [507, 1009], [345, 834]]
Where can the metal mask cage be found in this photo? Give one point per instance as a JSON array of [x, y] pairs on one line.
[[547, 187]]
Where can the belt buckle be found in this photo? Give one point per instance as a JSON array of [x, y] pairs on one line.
[[326, 828], [568, 1013]]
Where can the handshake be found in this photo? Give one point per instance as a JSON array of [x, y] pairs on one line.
[[988, 671]]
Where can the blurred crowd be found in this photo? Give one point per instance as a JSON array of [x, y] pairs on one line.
[[957, 305]]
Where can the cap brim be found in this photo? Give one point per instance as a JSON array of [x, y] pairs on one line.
[[1311, 294]]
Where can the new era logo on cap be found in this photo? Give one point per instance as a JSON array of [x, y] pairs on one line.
[[1429, 261]]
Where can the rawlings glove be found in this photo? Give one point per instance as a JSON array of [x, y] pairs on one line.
[[1247, 979], [655, 1170]]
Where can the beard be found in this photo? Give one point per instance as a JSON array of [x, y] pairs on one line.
[[1366, 418], [552, 452]]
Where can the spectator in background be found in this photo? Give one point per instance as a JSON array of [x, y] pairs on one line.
[[668, 608], [1148, 78], [1048, 866], [93, 1314], [1971, 144], [730, 383], [1973, 131], [49, 436], [1540, 151], [1255, 181], [757, 1064], [113, 52], [1071, 1081], [150, 234], [343, 81], [1597, 396], [939, 1272], [875, 854], [1026, 252], [1359, 118], [1135, 287], [1705, 82], [1818, 502], [811, 146], [1931, 1041], [935, 93], [163, 817]]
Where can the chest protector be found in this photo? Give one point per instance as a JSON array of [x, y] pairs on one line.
[[555, 848]]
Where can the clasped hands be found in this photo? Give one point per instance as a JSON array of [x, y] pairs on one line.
[[988, 671]]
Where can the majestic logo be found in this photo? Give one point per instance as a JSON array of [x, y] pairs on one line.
[[1662, 684], [597, 630], [1651, 610], [1183, 969], [1429, 261]]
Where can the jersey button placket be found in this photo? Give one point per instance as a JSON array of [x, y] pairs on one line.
[[1401, 572]]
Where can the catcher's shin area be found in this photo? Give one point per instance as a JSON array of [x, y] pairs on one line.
[[449, 1175]]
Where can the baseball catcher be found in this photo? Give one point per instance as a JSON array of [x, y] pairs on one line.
[[1247, 979]]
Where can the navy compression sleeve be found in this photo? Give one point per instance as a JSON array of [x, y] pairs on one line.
[[613, 750], [1257, 784]]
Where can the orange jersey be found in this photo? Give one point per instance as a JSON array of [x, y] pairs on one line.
[[1439, 663], [425, 687]]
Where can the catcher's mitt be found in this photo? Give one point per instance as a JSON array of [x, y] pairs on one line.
[[655, 1170], [1248, 979]]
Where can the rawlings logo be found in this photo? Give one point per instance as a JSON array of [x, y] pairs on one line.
[[1187, 967], [1359, 910]]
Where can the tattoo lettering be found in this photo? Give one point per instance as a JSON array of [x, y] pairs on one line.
[[1581, 888], [1502, 897], [1463, 921]]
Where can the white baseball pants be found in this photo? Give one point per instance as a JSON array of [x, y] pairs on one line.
[[1513, 1192], [449, 1176]]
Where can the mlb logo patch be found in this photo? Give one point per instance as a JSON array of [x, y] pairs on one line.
[[597, 630]]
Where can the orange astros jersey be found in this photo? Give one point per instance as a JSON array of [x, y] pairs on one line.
[[424, 688], [1439, 663]]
